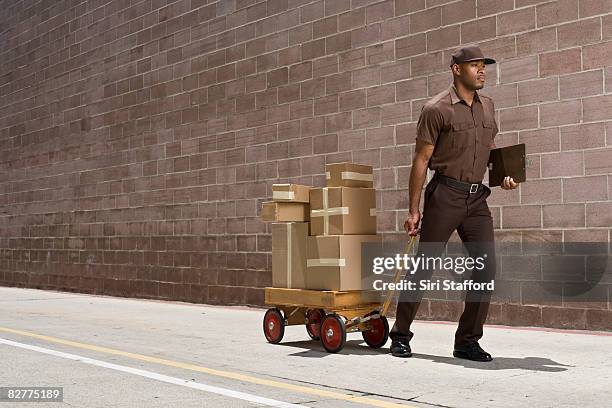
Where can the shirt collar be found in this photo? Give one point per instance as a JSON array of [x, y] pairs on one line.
[[455, 98]]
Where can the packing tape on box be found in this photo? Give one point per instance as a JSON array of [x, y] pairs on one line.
[[283, 195], [351, 175], [327, 212], [289, 260], [326, 262]]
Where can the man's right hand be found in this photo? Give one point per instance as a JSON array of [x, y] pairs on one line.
[[411, 225]]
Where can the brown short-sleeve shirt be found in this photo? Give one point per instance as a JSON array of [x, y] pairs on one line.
[[462, 135]]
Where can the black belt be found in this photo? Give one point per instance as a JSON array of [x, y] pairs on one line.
[[460, 185]]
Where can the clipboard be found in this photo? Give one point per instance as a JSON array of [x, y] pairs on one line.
[[507, 161]]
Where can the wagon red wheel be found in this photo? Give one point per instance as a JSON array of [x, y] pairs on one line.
[[378, 333], [313, 322], [333, 333], [274, 326]]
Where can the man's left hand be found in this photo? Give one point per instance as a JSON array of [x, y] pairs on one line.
[[509, 183]]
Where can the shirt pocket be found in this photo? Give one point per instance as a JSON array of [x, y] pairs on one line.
[[463, 133], [489, 130]]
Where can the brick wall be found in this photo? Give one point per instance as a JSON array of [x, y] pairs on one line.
[[139, 138]]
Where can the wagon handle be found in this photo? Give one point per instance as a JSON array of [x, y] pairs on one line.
[[398, 275]]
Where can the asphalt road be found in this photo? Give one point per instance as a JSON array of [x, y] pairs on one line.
[[113, 352]]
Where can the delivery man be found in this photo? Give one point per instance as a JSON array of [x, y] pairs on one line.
[[455, 132]]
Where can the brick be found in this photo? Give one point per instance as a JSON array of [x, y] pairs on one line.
[[336, 6], [411, 89], [504, 95], [443, 38], [583, 189], [583, 136], [581, 84], [301, 72], [458, 12], [521, 315], [338, 42], [380, 95], [598, 161], [502, 47], [351, 19], [325, 144], [478, 30], [325, 105], [588, 8], [408, 6], [562, 164], [311, 12], [519, 69], [425, 20], [538, 90], [525, 216], [427, 63], [556, 12], [534, 42], [563, 215], [597, 55], [540, 140], [560, 62], [579, 33], [516, 21], [380, 53], [541, 192], [338, 122], [338, 83], [379, 137], [597, 108], [396, 27], [353, 100], [351, 140], [363, 118], [411, 45], [518, 118], [369, 34], [366, 77], [488, 7], [560, 113], [379, 11], [564, 317], [325, 27], [599, 214]]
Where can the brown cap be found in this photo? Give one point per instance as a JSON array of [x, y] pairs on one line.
[[469, 53]]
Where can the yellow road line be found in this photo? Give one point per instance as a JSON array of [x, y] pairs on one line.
[[211, 371]]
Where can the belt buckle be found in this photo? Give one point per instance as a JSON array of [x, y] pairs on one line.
[[473, 187]]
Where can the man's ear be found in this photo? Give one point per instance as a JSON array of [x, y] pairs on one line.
[[456, 69]]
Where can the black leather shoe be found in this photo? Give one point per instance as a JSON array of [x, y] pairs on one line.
[[473, 352], [400, 348]]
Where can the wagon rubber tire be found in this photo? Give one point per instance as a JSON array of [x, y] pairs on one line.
[[333, 333], [378, 334], [313, 323], [274, 326]]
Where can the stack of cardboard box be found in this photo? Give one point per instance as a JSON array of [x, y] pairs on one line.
[[317, 233]]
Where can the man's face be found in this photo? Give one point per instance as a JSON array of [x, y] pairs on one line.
[[471, 74]]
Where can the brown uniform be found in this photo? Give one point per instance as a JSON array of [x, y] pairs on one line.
[[455, 200]]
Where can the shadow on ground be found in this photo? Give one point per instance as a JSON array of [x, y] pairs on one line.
[[358, 347]]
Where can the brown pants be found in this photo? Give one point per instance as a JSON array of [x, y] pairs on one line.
[[447, 209]]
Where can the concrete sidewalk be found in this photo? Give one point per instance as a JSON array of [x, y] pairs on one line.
[[223, 348]]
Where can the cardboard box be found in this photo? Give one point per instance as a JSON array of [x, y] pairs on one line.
[[342, 210], [285, 212], [289, 254], [334, 262], [349, 175], [291, 192]]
